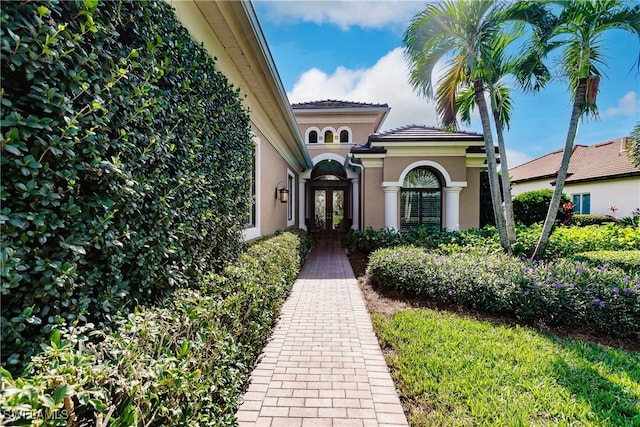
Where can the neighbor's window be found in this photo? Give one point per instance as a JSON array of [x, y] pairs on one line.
[[344, 136], [328, 137], [313, 137], [582, 203], [421, 200]]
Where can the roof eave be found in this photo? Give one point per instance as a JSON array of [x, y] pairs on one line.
[[283, 100]]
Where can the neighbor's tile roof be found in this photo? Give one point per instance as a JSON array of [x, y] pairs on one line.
[[332, 103], [422, 133], [588, 163]]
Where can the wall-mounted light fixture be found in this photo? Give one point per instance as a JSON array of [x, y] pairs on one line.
[[283, 193]]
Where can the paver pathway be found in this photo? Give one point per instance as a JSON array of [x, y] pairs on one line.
[[323, 365]]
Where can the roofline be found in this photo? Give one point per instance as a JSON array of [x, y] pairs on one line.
[[375, 138], [247, 6], [601, 178]]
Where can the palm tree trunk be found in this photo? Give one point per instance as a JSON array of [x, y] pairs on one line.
[[504, 169], [578, 106], [494, 185]]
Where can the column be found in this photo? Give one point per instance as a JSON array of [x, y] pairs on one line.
[[355, 202], [452, 205], [391, 206], [302, 204]]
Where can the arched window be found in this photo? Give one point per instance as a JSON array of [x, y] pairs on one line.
[[344, 136], [328, 137], [421, 200], [313, 137]]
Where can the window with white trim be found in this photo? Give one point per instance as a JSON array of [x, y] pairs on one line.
[[313, 137], [421, 200], [582, 203]]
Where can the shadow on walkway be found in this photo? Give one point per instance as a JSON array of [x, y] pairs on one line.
[[323, 365]]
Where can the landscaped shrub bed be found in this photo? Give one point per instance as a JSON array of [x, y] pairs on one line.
[[184, 362], [561, 293], [567, 241], [629, 261], [126, 164], [564, 241]]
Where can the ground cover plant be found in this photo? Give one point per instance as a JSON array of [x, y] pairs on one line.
[[602, 299], [452, 370], [183, 362], [126, 164], [564, 242]]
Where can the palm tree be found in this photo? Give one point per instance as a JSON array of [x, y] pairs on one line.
[[466, 35], [462, 33], [634, 149], [579, 30], [528, 78]]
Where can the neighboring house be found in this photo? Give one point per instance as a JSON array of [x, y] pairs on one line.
[[324, 166], [599, 176]]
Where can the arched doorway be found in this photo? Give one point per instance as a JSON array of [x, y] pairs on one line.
[[329, 199]]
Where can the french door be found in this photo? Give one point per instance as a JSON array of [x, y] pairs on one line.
[[329, 210]]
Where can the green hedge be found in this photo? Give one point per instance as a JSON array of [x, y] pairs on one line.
[[565, 293], [531, 207], [185, 362], [564, 241], [628, 261], [591, 219], [567, 241], [126, 164]]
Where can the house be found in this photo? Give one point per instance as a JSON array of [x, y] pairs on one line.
[[325, 166], [599, 176]]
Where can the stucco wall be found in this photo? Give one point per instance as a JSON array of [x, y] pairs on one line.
[[455, 166], [523, 187], [623, 193], [273, 172], [373, 211], [470, 200]]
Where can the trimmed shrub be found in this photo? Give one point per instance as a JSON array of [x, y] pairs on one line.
[[370, 240], [531, 207], [567, 241], [582, 220], [126, 164], [628, 261], [185, 362], [566, 293]]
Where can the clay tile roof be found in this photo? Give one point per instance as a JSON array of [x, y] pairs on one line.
[[422, 133], [333, 103], [588, 163]]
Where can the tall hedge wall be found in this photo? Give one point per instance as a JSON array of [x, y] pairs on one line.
[[126, 163]]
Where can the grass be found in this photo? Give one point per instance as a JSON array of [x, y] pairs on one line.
[[458, 371]]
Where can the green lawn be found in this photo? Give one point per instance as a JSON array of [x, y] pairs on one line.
[[456, 371]]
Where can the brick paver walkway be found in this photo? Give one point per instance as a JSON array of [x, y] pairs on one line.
[[323, 365]]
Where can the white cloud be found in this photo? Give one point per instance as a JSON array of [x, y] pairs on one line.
[[628, 105], [516, 158], [385, 82], [345, 13]]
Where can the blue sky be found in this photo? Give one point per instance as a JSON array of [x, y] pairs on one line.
[[352, 51]]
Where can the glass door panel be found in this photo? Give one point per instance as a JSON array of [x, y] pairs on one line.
[[337, 207], [320, 209]]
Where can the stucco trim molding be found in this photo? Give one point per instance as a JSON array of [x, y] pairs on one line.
[[426, 163]]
